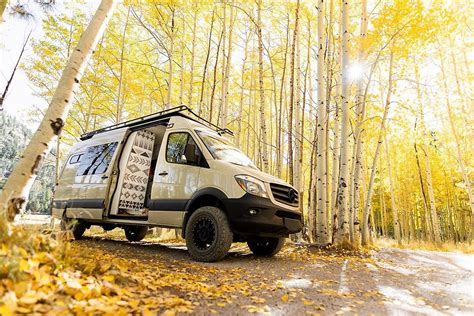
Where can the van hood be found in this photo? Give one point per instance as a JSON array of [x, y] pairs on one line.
[[238, 169]]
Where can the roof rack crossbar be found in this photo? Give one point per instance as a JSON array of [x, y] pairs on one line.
[[157, 115]]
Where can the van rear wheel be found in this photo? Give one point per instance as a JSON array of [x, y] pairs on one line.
[[208, 234], [77, 227], [266, 246], [135, 233]]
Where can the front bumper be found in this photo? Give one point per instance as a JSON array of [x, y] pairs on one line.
[[270, 220]]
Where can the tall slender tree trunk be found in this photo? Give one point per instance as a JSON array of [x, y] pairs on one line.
[[467, 182], [429, 181], [396, 222], [120, 101], [9, 81], [341, 237], [223, 48], [228, 63], [360, 116], [242, 90], [368, 200], [170, 61], [292, 96], [181, 78], [263, 126], [203, 81], [279, 148], [321, 232], [191, 72], [15, 192]]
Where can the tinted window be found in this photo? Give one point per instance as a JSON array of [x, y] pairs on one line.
[[176, 148], [96, 160], [75, 159]]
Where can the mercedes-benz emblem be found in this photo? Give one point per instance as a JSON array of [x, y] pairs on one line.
[[292, 194]]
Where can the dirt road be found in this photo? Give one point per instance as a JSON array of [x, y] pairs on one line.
[[299, 281]]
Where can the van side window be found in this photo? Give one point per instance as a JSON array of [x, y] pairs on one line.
[[75, 159], [96, 160], [178, 144]]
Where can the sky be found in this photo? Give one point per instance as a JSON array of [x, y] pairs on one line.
[[20, 98]]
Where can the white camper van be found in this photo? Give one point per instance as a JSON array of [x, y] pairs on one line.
[[174, 169]]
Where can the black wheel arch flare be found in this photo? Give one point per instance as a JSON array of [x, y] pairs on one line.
[[203, 197]]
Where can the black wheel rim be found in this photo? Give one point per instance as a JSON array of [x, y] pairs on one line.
[[204, 233]]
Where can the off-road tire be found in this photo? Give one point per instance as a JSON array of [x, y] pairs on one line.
[[201, 245], [266, 246], [135, 233], [77, 227]]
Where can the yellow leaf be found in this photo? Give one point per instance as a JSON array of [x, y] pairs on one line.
[[23, 266], [6, 310], [284, 298], [109, 278]]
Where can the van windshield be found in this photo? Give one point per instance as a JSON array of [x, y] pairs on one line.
[[222, 149]]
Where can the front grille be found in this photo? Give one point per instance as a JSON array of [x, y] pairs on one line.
[[284, 194]]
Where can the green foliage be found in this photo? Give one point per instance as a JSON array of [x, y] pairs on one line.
[[14, 136]]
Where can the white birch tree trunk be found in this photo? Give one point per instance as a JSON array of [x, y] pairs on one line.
[[370, 190], [360, 113], [396, 222], [321, 155], [297, 176], [341, 236], [191, 72], [467, 181], [263, 125], [15, 192], [170, 62], [225, 92]]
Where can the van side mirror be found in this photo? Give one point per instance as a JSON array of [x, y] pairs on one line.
[[190, 154]]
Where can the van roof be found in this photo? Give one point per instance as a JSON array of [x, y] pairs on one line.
[[163, 116]]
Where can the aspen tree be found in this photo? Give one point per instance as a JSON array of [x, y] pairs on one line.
[[208, 52], [242, 89], [467, 181], [228, 63], [368, 199], [341, 237], [429, 181], [360, 116], [191, 72], [292, 96], [321, 232], [171, 34], [279, 148], [396, 223], [263, 127], [15, 192]]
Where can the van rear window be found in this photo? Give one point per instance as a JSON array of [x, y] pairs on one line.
[[96, 159]]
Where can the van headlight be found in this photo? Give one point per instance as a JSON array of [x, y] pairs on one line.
[[252, 185]]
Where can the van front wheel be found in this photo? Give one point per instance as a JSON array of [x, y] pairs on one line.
[[266, 246], [135, 233], [208, 234]]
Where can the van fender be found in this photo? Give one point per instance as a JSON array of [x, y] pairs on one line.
[[203, 197]]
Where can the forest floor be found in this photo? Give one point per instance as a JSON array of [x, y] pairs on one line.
[[298, 281]]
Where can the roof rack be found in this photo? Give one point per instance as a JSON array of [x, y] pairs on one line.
[[176, 111]]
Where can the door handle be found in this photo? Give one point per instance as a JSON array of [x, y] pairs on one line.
[[164, 173], [104, 177]]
